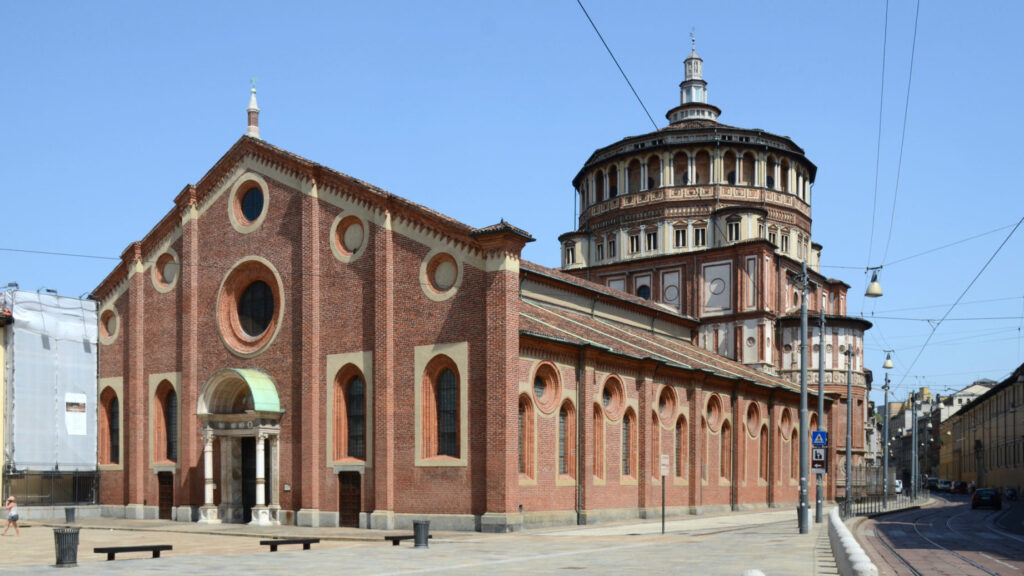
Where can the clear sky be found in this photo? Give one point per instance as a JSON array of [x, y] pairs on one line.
[[486, 110]]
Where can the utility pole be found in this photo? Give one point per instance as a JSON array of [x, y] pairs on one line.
[[914, 479], [820, 478], [804, 509], [849, 424], [885, 448]]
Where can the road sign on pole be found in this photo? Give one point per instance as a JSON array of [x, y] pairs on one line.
[[819, 438], [819, 462]]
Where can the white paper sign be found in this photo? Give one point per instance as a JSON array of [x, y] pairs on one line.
[[74, 413]]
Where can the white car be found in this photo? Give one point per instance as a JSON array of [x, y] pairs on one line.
[[945, 485], [897, 486]]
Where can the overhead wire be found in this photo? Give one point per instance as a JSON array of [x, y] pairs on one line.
[[878, 146], [962, 294], [614, 59]]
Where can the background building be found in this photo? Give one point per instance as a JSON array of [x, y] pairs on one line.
[[49, 358]]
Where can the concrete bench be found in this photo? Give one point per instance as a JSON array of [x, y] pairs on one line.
[[306, 542], [396, 539], [110, 551]]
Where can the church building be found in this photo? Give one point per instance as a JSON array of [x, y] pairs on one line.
[[291, 345]]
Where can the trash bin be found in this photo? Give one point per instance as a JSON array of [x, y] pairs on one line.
[[69, 515], [421, 533], [66, 545]]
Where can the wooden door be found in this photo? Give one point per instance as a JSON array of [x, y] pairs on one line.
[[349, 498], [165, 481]]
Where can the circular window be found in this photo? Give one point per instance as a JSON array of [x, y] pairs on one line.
[[787, 348], [108, 325], [714, 412], [753, 419], [441, 276], [613, 398], [248, 203], [667, 404], [547, 387], [249, 307], [817, 347], [252, 204], [165, 271], [828, 348], [717, 286], [750, 341], [256, 308], [644, 292]]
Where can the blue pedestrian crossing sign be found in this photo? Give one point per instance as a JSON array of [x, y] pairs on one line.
[[819, 438]]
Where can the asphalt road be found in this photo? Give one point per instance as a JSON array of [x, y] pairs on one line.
[[947, 537]]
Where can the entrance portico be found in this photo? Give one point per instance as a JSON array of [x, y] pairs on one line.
[[240, 409]]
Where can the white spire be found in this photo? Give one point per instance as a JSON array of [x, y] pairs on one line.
[[253, 113], [693, 91]]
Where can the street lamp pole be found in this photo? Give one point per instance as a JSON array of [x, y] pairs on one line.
[[885, 448], [914, 480], [849, 423], [820, 478], [804, 509]]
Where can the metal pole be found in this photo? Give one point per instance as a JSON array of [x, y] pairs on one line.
[[804, 510], [662, 503], [885, 447], [914, 480], [818, 496], [849, 422]]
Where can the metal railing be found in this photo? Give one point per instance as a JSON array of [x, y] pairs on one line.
[[871, 504]]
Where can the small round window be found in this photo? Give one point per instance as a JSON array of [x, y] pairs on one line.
[[108, 326], [165, 272], [441, 276], [539, 387], [644, 292], [714, 412], [547, 387], [256, 308], [667, 404], [613, 398], [252, 204]]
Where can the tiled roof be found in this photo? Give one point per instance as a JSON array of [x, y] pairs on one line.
[[563, 325]]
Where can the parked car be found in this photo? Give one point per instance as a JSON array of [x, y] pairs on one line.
[[959, 487], [945, 485], [1011, 493], [987, 497], [932, 483], [897, 486]]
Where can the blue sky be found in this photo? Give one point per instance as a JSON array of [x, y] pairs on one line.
[[486, 110]]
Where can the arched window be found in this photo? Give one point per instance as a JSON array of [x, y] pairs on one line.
[[702, 168], [109, 428], [598, 442], [653, 172], [633, 171], [441, 404], [763, 454], [786, 184], [794, 457], [613, 182], [567, 440], [447, 414], [747, 170], [526, 453], [350, 415], [681, 447], [726, 451], [730, 166], [680, 167], [165, 437], [600, 194], [655, 446], [628, 441]]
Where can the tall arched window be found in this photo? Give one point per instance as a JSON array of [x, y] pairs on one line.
[[109, 428], [726, 451], [628, 441], [165, 437], [598, 442], [526, 458], [680, 447], [355, 404], [567, 440], [763, 454], [794, 458], [349, 415], [447, 414]]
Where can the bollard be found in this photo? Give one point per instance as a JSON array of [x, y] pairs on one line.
[[65, 542], [421, 533], [69, 515]]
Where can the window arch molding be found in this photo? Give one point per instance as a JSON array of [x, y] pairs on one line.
[[110, 426], [164, 419], [341, 368], [350, 405], [433, 364]]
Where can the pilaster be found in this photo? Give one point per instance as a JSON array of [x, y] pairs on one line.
[[383, 377], [310, 385], [135, 388]]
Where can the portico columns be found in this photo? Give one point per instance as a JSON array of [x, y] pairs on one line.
[[208, 512], [260, 513]]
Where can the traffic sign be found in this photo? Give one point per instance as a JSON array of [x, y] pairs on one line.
[[819, 462], [819, 438]]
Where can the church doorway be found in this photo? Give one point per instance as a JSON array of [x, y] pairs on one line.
[[165, 484], [350, 498]]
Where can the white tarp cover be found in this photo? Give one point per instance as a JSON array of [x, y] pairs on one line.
[[51, 382]]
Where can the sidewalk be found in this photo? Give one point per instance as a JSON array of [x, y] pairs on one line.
[[708, 545]]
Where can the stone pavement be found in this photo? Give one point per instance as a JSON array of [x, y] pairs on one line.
[[709, 545]]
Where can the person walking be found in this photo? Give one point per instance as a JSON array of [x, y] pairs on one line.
[[12, 517]]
